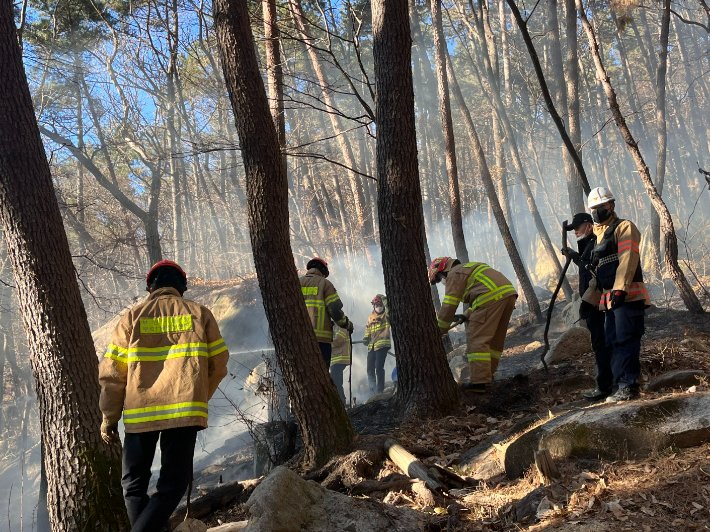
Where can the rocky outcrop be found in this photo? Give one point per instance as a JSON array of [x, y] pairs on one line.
[[622, 431], [284, 502], [572, 343], [676, 379]]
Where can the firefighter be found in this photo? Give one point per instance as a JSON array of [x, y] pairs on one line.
[[340, 359], [377, 340], [583, 227], [618, 290], [164, 362], [324, 305], [490, 298]]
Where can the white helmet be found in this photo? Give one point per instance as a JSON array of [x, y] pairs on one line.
[[599, 196]]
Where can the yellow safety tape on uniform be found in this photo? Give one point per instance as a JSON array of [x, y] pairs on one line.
[[479, 357], [495, 354], [166, 324], [157, 413], [332, 299]]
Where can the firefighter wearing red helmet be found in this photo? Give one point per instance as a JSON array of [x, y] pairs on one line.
[[489, 299], [163, 363], [323, 305]]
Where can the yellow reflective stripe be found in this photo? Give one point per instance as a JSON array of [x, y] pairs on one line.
[[200, 345], [478, 356], [156, 354], [332, 299], [159, 408], [379, 327], [212, 344], [452, 300], [486, 281], [315, 303], [116, 351], [117, 358], [166, 324], [189, 413], [443, 324], [309, 290], [496, 354], [220, 350], [496, 294], [216, 347]]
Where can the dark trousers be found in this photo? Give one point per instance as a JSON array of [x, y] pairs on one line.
[[325, 351], [602, 350], [376, 369], [336, 373], [624, 328], [177, 446]]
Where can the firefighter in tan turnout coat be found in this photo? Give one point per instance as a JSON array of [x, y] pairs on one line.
[[323, 305], [164, 362], [341, 358], [489, 298]]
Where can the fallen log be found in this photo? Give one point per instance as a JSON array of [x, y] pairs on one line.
[[546, 466], [455, 477], [409, 464], [368, 486], [201, 506]]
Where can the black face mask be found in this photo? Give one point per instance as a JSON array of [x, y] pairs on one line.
[[600, 215]]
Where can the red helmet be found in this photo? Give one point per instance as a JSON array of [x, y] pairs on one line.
[[317, 262], [377, 300], [437, 266], [162, 264]]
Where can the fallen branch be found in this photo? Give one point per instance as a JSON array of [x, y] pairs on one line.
[[409, 464], [215, 500], [368, 486]]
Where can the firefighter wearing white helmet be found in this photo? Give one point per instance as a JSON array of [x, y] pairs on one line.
[[619, 292]]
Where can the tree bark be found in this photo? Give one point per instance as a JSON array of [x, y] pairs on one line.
[[510, 246], [83, 473], [274, 72], [661, 132], [427, 387], [173, 137], [324, 424], [449, 141], [670, 239]]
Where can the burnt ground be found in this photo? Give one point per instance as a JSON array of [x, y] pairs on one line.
[[668, 492]]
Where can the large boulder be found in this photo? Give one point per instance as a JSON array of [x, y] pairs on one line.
[[460, 368], [676, 379], [621, 431], [284, 502], [572, 343], [570, 313]]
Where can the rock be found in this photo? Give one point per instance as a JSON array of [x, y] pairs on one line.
[[675, 379], [191, 525], [622, 431], [284, 502], [460, 369], [572, 343], [487, 470], [557, 326], [528, 505], [532, 346], [570, 313], [696, 344], [459, 352]]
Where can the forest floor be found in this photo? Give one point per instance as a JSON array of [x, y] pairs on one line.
[[669, 491]]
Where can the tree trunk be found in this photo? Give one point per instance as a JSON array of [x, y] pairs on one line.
[[510, 246], [173, 137], [274, 72], [426, 385], [661, 132], [449, 142], [669, 237], [82, 489], [324, 424]]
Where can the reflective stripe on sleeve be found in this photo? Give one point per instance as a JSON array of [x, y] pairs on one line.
[[443, 324], [216, 347], [332, 299], [116, 353]]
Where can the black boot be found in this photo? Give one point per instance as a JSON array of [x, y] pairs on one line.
[[596, 394]]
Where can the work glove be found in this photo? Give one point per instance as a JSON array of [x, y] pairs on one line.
[[109, 432], [570, 254], [585, 310], [617, 298], [460, 318], [349, 326]]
